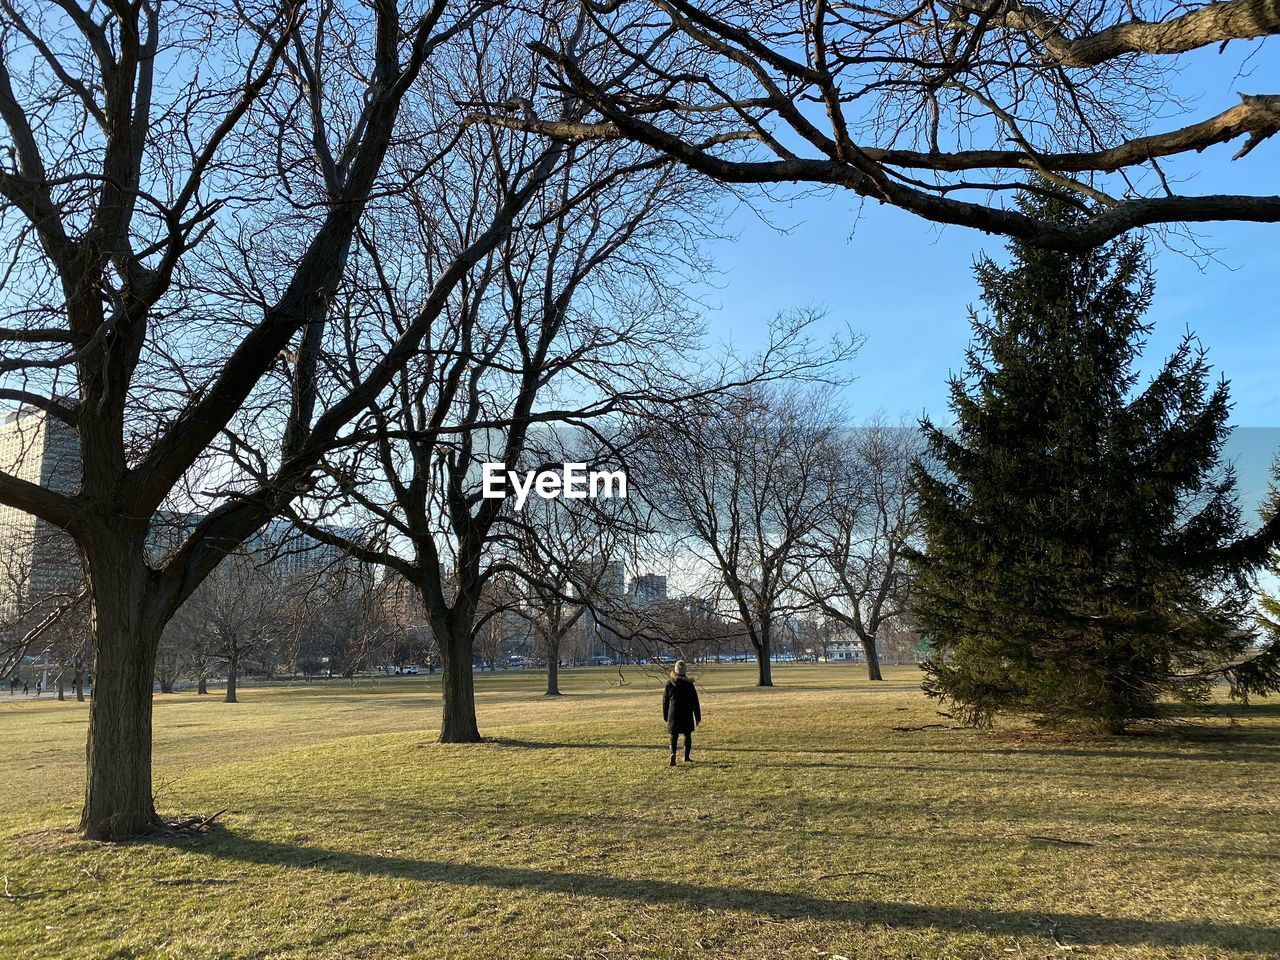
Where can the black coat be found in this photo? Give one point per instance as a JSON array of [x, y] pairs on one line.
[[680, 706]]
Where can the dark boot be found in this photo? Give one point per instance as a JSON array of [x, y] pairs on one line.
[[673, 759]]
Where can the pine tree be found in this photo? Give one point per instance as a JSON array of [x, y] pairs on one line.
[[1259, 674], [1076, 527]]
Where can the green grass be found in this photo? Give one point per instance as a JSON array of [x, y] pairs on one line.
[[808, 827]]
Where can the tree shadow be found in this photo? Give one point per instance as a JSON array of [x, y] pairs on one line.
[[792, 757], [1080, 928], [519, 744], [1224, 749]]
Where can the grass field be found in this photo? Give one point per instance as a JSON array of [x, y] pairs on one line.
[[809, 826]]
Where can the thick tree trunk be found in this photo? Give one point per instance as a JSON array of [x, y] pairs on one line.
[[458, 688], [873, 658], [62, 688], [202, 687], [231, 677], [166, 685], [764, 663], [553, 673], [118, 802]]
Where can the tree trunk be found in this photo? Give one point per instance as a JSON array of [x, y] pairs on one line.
[[117, 800], [873, 658], [764, 663], [62, 688], [458, 688], [166, 685], [231, 677], [77, 684], [202, 687], [553, 670]]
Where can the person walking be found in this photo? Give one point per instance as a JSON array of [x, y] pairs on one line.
[[681, 710]]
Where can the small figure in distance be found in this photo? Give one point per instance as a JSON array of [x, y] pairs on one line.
[[680, 709]]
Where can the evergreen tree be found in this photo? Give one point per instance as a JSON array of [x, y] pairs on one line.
[[1077, 527], [1259, 674]]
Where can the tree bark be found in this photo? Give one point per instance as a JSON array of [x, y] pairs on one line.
[[118, 802], [873, 658], [231, 676], [202, 687], [458, 688], [553, 672], [62, 688], [764, 663], [78, 684]]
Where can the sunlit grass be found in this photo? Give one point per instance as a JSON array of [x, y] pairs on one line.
[[807, 826]]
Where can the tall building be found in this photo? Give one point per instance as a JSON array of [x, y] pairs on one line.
[[289, 552], [39, 560], [648, 589], [39, 563], [609, 582]]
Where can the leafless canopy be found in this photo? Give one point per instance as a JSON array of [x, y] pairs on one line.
[[934, 106]]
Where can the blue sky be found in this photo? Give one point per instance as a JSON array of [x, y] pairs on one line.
[[905, 284]]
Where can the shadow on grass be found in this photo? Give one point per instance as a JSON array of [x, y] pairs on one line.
[[1080, 928], [793, 757]]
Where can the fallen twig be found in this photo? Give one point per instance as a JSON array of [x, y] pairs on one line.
[[853, 873], [20, 896], [1063, 842], [209, 819], [190, 825]]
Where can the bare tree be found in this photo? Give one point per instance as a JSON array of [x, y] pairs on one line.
[[336, 618], [237, 610], [575, 318], [70, 642], [412, 643], [742, 485], [853, 568], [186, 647], [563, 552], [935, 107], [186, 185]]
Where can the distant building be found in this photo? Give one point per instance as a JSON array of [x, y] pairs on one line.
[[845, 651], [613, 579], [648, 589], [288, 552], [40, 561], [609, 579]]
